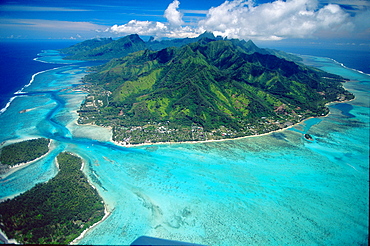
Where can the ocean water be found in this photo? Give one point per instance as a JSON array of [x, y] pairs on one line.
[[276, 189], [353, 57], [17, 64]]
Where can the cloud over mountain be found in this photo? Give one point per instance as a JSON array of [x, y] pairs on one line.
[[172, 29], [246, 20], [276, 20]]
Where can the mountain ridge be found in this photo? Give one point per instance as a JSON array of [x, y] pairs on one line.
[[105, 49]]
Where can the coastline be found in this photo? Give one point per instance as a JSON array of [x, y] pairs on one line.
[[213, 140], [103, 137], [16, 167], [337, 62], [229, 139], [106, 213], [6, 240]]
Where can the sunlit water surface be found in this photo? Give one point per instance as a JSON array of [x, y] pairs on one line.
[[277, 189]]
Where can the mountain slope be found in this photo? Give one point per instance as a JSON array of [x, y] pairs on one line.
[[85, 46], [109, 50], [214, 85], [162, 44]]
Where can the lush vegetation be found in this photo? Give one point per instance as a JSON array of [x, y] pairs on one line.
[[55, 212], [210, 89], [24, 151]]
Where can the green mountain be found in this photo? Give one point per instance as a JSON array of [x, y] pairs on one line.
[[106, 49], [212, 84], [85, 46], [162, 44]]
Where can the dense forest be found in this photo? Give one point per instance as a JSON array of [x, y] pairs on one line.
[[55, 212], [25, 151]]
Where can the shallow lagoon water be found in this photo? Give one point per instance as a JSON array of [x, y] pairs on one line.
[[277, 189]]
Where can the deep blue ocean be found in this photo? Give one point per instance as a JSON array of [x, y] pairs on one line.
[[351, 57], [17, 65]]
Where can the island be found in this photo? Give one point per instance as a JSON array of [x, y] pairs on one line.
[[55, 212], [200, 89], [22, 152], [308, 137]]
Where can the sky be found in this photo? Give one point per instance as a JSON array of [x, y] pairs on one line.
[[339, 21]]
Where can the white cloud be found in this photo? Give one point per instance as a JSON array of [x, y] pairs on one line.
[[245, 20], [140, 27], [362, 24], [154, 28], [275, 20], [173, 16], [172, 29]]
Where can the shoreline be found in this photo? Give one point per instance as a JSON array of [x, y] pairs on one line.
[[18, 166], [4, 238], [75, 123], [230, 139], [335, 61], [82, 235], [208, 141], [106, 213]]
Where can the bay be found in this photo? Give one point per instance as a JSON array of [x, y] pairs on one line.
[[269, 190]]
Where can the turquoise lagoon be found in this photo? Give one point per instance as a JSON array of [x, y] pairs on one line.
[[276, 189]]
